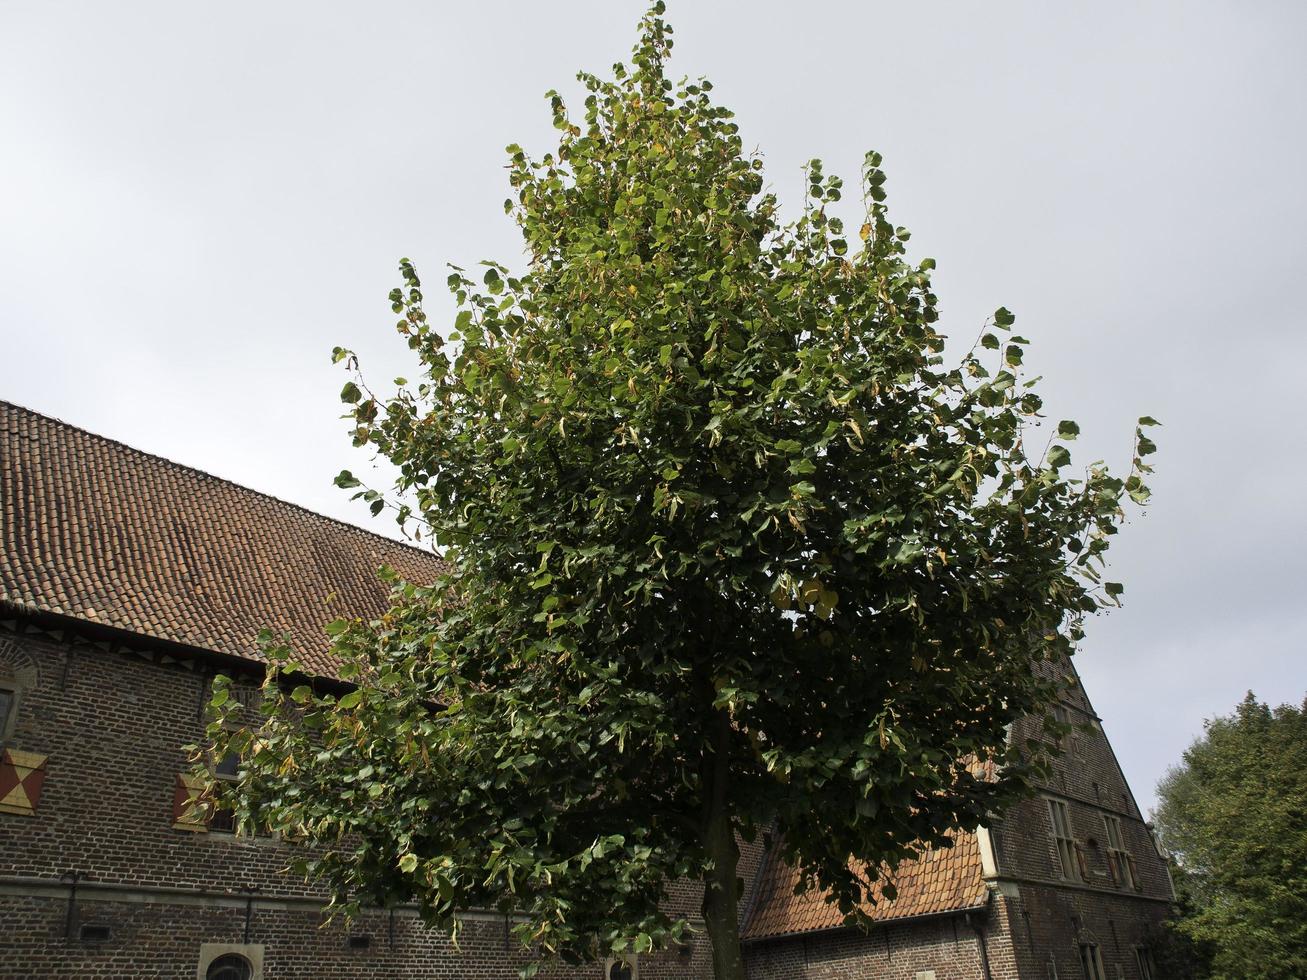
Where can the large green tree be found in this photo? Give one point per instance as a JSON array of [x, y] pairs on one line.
[[1234, 815], [731, 549]]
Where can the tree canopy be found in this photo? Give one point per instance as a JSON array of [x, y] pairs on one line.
[[732, 549], [1234, 815]]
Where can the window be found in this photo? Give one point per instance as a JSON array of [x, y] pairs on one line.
[[1066, 845], [8, 709], [625, 968], [222, 820], [1091, 962], [231, 966], [231, 961], [1144, 958], [1118, 859], [228, 767]]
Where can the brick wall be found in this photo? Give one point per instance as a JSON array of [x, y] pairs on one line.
[[947, 945], [160, 940], [112, 722], [1051, 915], [1037, 920], [1049, 924]]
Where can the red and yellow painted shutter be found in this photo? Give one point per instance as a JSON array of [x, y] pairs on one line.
[[188, 810], [22, 774]]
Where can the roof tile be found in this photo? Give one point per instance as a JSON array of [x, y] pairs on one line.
[[943, 879], [93, 529]]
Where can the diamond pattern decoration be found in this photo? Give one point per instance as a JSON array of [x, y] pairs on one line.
[[22, 775]]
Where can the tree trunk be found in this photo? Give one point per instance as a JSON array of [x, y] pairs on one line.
[[721, 891]]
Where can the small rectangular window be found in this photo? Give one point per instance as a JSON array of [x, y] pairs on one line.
[[221, 820], [94, 933], [8, 699], [1091, 962], [228, 767], [1066, 845], [1062, 715]]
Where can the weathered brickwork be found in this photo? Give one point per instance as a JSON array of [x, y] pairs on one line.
[[1037, 918], [948, 945], [113, 722], [162, 940], [1050, 924]]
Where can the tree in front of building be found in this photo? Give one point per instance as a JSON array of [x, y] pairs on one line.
[[732, 550], [1234, 816]]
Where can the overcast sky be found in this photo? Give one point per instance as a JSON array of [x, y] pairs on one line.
[[197, 201]]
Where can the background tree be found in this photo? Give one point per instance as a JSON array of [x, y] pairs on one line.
[[1234, 815], [730, 548]]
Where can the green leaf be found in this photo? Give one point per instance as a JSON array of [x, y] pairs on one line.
[[350, 393], [1066, 429], [350, 700]]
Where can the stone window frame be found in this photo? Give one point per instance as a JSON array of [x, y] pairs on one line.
[[214, 765], [10, 722], [1144, 961], [232, 830], [630, 960], [1091, 961], [251, 952], [1064, 845], [18, 675], [1119, 860], [1062, 715]]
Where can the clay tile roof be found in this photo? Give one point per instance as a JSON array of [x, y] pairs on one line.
[[941, 880], [97, 531]]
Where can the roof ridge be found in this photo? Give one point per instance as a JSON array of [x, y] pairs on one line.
[[4, 403]]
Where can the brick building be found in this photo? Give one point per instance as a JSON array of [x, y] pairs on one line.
[[127, 582]]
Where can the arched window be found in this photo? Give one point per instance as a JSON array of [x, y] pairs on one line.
[[230, 966]]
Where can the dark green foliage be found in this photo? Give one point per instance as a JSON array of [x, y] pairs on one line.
[[732, 547], [1234, 814]]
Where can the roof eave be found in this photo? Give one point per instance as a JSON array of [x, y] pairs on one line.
[[825, 930]]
